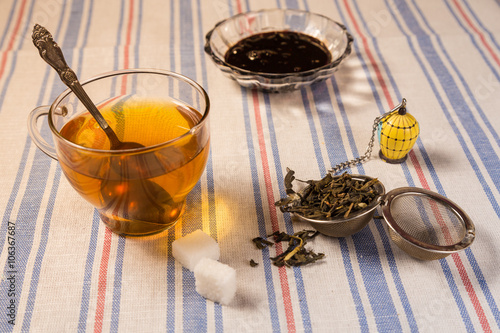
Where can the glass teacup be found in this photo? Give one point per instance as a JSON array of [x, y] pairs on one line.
[[138, 191]]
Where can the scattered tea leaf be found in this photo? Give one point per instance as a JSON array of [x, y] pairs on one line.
[[296, 254], [289, 178], [253, 263], [280, 236], [261, 242]]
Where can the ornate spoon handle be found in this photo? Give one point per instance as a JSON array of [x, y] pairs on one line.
[[52, 54]]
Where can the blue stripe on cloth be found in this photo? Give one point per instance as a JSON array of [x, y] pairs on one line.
[[456, 294], [209, 170], [46, 225], [449, 278], [120, 251], [188, 66], [117, 47], [477, 270], [454, 96], [386, 316], [15, 191], [8, 23], [138, 33], [392, 264], [467, 152], [30, 208], [383, 235], [171, 295], [85, 36], [219, 320], [344, 250], [470, 94], [389, 254], [35, 276], [117, 284], [358, 54], [194, 306], [299, 282], [14, 53], [312, 129], [396, 277], [484, 285], [291, 4], [172, 28], [353, 285], [170, 324], [472, 38], [25, 226], [435, 178], [96, 221], [261, 223], [87, 277], [17, 181], [480, 23]]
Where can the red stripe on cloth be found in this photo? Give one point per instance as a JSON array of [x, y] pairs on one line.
[[10, 46], [103, 275], [285, 289], [456, 258], [373, 63], [103, 271], [238, 6], [129, 34], [126, 55], [472, 293], [476, 30]]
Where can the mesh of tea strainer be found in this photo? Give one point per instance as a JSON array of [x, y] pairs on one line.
[[425, 224]]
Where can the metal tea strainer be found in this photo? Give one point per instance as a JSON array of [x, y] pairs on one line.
[[422, 223], [426, 225]]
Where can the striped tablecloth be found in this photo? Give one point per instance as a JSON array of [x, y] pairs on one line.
[[63, 271]]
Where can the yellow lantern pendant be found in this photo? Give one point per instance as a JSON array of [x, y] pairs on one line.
[[397, 133]]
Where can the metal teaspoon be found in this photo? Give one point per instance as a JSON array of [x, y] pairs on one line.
[[52, 54]]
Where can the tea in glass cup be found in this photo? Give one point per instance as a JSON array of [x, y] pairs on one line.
[[138, 191]]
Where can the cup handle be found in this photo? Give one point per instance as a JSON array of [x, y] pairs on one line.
[[35, 133]]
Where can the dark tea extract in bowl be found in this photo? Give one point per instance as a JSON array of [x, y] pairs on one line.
[[278, 52], [331, 38]]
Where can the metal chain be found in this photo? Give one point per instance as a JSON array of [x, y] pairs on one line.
[[369, 149]]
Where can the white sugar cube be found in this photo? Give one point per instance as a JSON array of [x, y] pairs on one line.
[[190, 249], [215, 281]]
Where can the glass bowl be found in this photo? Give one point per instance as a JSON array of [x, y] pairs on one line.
[[228, 32]]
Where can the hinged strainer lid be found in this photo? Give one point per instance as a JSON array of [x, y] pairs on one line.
[[425, 224]]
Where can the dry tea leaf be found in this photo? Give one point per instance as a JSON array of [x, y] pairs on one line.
[[261, 242], [329, 197], [296, 254]]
